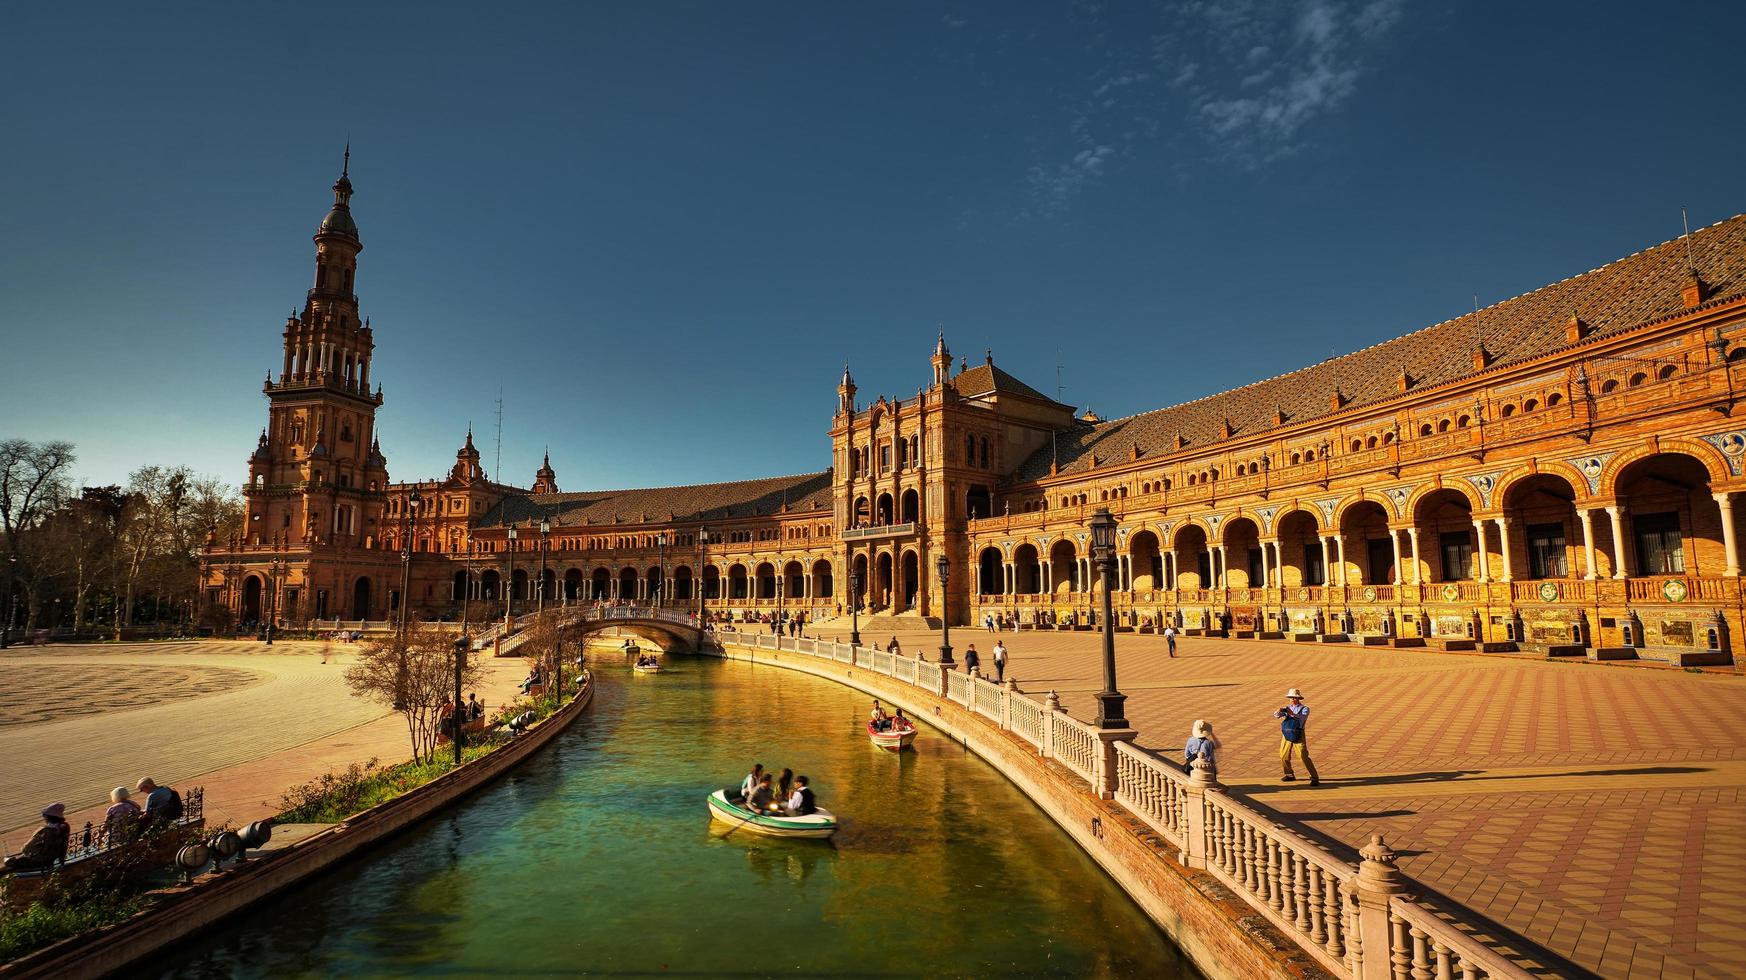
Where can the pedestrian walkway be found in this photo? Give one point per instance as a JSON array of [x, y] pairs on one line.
[[1595, 809], [275, 717]]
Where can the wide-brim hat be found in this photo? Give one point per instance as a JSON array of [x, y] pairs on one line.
[[54, 811], [1294, 693], [1201, 728]]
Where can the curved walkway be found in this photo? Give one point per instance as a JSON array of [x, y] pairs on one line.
[[1597, 810], [279, 717]]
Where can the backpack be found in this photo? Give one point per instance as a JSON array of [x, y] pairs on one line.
[[1291, 727]]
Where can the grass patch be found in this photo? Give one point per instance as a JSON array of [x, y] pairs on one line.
[[334, 796], [62, 914]]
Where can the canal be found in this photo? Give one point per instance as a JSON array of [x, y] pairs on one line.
[[597, 858]]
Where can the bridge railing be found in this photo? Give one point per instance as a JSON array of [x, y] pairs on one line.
[[1358, 921]]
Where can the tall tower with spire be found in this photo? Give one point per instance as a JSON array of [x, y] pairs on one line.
[[317, 475], [545, 479], [942, 360]]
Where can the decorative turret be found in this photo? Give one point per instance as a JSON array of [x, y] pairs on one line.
[[467, 467], [942, 361], [846, 393], [545, 480]]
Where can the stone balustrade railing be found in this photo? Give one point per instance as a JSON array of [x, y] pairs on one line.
[[1360, 921]]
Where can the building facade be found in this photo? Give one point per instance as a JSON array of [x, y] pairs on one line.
[[1558, 471]]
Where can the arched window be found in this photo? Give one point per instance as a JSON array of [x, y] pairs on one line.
[[1529, 405], [969, 450], [1463, 422], [1638, 378], [1443, 425], [1425, 430], [1609, 386], [1665, 372], [1553, 399], [1357, 445]]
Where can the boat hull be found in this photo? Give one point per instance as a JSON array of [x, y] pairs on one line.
[[649, 669], [814, 826], [895, 741]]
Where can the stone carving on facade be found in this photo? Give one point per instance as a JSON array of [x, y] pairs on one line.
[[1733, 447], [1485, 483], [1591, 467]]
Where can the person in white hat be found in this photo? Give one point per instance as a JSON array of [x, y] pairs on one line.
[[1294, 737], [1202, 744]]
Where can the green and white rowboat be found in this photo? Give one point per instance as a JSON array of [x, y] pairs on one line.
[[817, 825]]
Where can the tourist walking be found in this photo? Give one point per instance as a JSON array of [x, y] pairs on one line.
[[1170, 639], [1294, 737], [972, 659], [999, 662], [1201, 745]]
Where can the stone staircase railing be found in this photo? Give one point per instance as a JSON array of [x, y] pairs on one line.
[[1363, 921]]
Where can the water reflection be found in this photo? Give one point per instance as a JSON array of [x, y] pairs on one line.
[[597, 857]]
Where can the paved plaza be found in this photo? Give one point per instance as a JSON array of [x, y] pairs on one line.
[[242, 719], [1595, 809]]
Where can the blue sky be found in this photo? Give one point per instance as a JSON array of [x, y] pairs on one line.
[[661, 228]]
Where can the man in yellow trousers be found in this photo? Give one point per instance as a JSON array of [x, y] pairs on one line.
[[1294, 737]]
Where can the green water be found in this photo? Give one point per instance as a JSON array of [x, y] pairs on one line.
[[597, 858]]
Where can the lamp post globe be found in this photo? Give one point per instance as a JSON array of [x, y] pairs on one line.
[[943, 568], [1111, 703]]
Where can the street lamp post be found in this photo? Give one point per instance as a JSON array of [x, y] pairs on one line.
[[11, 601], [509, 585], [854, 608], [661, 584], [1111, 703], [779, 576], [702, 566], [275, 568], [457, 719], [943, 568], [410, 525], [545, 531]]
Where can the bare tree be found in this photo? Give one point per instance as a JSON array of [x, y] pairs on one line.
[[33, 483], [156, 496], [427, 683]]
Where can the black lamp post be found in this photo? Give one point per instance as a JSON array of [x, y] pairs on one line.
[[11, 601], [509, 584], [1111, 712], [780, 575], [854, 608], [460, 714], [410, 525], [943, 568], [702, 566], [545, 532], [660, 595], [274, 569]]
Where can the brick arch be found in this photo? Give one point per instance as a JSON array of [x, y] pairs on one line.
[[1360, 497], [1707, 455], [1296, 507], [1457, 484], [1176, 530], [1564, 471]]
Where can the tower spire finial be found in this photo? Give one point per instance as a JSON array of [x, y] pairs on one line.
[[346, 161]]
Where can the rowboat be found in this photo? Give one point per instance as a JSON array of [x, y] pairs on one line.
[[817, 825], [894, 739], [646, 668]]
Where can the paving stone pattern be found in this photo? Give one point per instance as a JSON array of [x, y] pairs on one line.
[[1595, 809]]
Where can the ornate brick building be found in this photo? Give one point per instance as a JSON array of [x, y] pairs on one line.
[[1558, 471]]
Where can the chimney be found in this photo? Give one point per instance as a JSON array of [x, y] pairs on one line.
[[1134, 451], [1574, 328], [1180, 442], [1229, 430], [1405, 381], [1695, 291], [1279, 416], [1481, 358], [1337, 400]]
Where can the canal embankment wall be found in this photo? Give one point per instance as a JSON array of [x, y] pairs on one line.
[[1239, 893], [183, 913]]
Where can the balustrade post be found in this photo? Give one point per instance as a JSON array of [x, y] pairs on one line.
[[1107, 773], [1377, 883], [1194, 829], [1051, 704], [1008, 691]]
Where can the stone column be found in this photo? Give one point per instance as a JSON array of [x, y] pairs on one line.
[[1266, 571], [1224, 569], [1618, 540], [1193, 854], [1046, 585], [1484, 561], [1377, 883], [1730, 551], [1340, 549], [1418, 569], [1586, 516], [1327, 561], [1394, 547], [1503, 546]]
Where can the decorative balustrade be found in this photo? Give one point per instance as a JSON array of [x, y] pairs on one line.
[[1311, 895], [1075, 745], [1675, 588]]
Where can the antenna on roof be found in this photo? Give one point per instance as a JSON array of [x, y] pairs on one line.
[[1479, 322], [497, 464], [1686, 221]]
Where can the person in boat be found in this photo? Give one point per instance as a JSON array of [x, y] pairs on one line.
[[881, 721], [900, 723], [750, 783], [763, 799], [801, 802], [784, 784]]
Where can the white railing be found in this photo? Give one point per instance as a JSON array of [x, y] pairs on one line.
[[958, 687], [1309, 894], [1075, 745]]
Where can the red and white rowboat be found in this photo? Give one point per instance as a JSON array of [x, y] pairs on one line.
[[895, 739]]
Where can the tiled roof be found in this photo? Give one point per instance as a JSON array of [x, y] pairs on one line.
[[707, 501], [1610, 300], [984, 378]]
